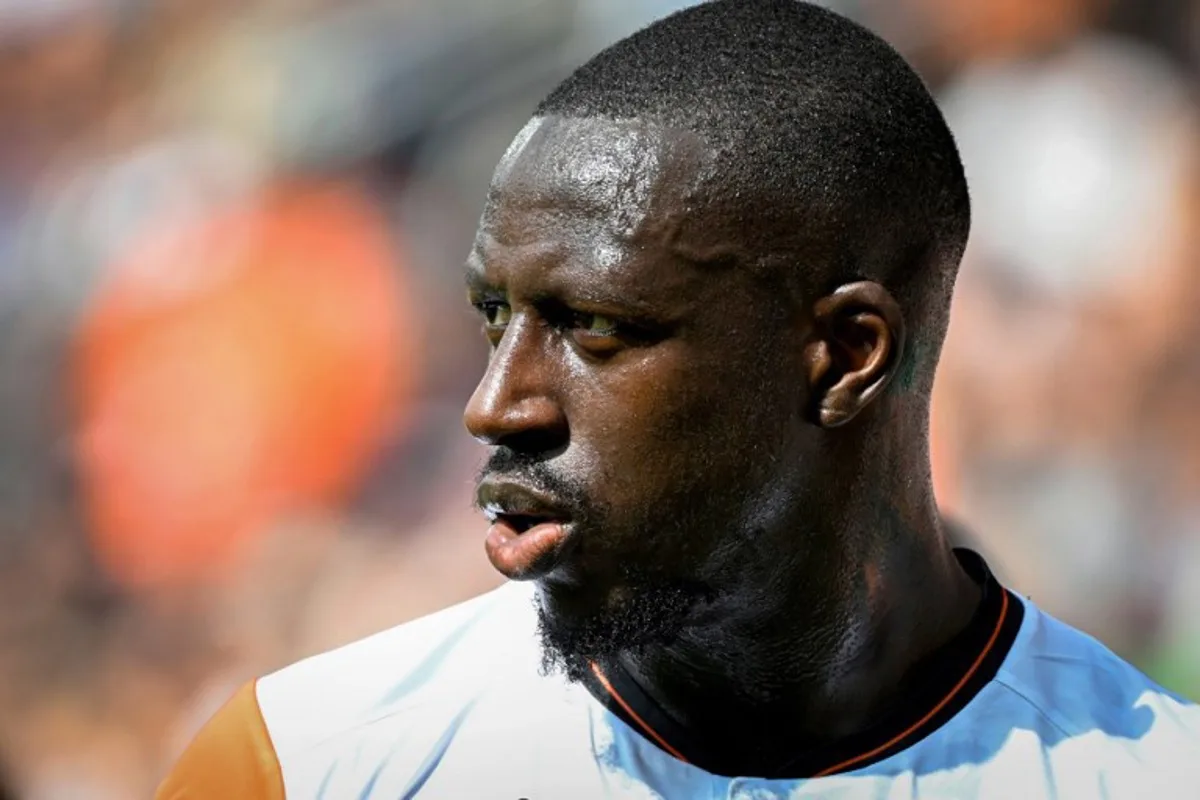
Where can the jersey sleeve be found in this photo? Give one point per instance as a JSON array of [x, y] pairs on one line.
[[231, 758]]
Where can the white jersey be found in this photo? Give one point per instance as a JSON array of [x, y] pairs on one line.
[[454, 706]]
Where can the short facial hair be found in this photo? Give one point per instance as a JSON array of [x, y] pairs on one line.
[[648, 609]]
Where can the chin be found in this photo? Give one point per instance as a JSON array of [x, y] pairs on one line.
[[584, 622]]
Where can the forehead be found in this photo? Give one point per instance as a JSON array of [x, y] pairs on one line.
[[625, 172], [598, 191]]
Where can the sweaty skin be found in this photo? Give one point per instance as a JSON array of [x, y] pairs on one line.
[[715, 448]]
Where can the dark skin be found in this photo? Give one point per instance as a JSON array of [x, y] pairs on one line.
[[745, 446]]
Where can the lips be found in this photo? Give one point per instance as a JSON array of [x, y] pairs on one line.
[[527, 533]]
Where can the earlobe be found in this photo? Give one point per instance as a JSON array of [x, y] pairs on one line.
[[858, 339], [833, 417]]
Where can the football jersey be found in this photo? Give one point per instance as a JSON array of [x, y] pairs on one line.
[[455, 705]]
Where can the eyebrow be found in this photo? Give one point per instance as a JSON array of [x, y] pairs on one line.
[[474, 265], [572, 293], [561, 284], [474, 277], [577, 294], [710, 259]]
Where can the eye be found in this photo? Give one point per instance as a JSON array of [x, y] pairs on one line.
[[596, 325], [496, 314], [598, 334]]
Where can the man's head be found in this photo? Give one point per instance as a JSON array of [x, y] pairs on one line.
[[715, 270]]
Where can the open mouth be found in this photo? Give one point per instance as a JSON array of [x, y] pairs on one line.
[[523, 522], [527, 534]]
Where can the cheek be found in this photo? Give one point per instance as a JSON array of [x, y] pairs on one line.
[[700, 435]]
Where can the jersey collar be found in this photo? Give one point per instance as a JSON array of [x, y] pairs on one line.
[[949, 679]]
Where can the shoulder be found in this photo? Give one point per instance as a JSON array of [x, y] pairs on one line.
[[231, 756], [444, 657], [1085, 692], [438, 663]]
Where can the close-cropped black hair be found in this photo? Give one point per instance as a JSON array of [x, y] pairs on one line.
[[821, 130]]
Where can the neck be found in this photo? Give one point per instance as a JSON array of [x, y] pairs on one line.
[[801, 665]]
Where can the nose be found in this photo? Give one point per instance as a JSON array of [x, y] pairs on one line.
[[513, 405]]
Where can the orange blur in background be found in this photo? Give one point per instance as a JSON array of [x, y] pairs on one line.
[[232, 372]]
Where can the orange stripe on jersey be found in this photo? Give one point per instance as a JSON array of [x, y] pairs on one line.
[[653, 734], [848, 763], [232, 757]]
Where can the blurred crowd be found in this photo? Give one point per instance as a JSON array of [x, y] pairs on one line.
[[234, 347]]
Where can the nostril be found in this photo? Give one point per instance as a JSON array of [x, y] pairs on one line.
[[540, 442]]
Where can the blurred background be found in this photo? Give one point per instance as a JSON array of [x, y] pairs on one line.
[[234, 347]]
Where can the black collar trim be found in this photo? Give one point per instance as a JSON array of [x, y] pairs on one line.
[[948, 680]]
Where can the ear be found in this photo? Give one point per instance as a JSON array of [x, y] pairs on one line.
[[855, 347]]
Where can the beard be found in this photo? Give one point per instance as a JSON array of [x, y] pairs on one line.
[[639, 617], [646, 607]]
